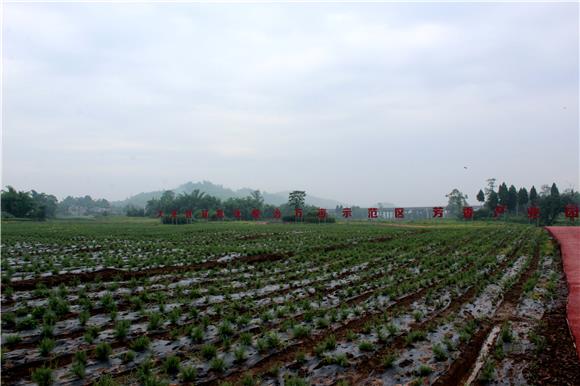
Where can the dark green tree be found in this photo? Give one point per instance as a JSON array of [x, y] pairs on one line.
[[296, 199], [550, 205], [533, 196], [522, 198], [481, 196], [492, 200], [502, 193], [512, 199]]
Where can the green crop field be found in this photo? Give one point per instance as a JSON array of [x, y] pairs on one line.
[[132, 301]]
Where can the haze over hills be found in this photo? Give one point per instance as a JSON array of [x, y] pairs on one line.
[[219, 191]]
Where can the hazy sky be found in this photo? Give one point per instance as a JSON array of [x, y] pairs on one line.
[[360, 103]]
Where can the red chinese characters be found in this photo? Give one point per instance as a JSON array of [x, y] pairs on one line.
[[533, 212], [277, 213], [468, 212], [237, 214], [438, 211], [373, 213], [499, 210], [255, 214], [399, 212], [188, 214], [571, 211], [204, 213], [173, 213], [298, 212], [346, 212], [321, 213], [219, 213]]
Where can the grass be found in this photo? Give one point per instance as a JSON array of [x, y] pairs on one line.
[[188, 374], [103, 351], [46, 346], [141, 343], [171, 364], [42, 376], [388, 360]]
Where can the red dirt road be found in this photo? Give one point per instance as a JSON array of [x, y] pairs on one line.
[[569, 239]]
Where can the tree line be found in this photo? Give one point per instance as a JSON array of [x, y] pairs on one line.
[[197, 201], [41, 206], [516, 201]]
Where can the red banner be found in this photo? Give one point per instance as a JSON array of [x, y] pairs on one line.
[[499, 210], [438, 211], [533, 212], [255, 214], [373, 213], [346, 212], [468, 212], [399, 212], [205, 213], [321, 213], [160, 214], [571, 211], [298, 212], [277, 213], [188, 214], [237, 214], [173, 213]]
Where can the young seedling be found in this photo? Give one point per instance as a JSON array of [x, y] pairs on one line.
[[42, 376], [171, 364], [188, 374], [103, 351]]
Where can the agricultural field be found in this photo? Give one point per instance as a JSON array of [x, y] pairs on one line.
[[136, 302]]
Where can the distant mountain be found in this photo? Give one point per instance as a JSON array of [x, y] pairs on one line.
[[219, 191]]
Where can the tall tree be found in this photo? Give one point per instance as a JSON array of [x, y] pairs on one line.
[[533, 196], [481, 196], [502, 193], [457, 201], [297, 198], [512, 199], [550, 205], [522, 198], [492, 200], [490, 186]]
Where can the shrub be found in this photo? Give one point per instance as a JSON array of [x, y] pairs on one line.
[[155, 320], [171, 364], [129, 356], [78, 369], [439, 352], [424, 370], [141, 343], [208, 351], [122, 329], [217, 364], [506, 333], [366, 346], [239, 355], [299, 332], [46, 346], [388, 360], [487, 371], [13, 339], [197, 334], [42, 376], [246, 339], [188, 374], [102, 351]]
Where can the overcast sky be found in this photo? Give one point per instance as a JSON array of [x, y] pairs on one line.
[[360, 103]]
